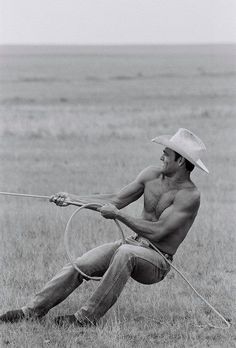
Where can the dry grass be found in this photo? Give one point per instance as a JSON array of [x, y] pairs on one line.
[[98, 148]]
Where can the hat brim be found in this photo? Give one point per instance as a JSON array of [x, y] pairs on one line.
[[165, 140]]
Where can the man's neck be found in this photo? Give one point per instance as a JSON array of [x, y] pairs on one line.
[[177, 178]]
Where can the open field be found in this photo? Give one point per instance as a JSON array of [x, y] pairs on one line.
[[81, 120]]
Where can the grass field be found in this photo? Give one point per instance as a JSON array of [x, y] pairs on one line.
[[92, 134]]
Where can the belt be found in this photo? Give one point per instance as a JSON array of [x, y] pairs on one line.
[[147, 243]]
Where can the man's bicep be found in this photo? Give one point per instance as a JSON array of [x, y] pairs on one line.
[[129, 194], [180, 214], [135, 189], [172, 219]]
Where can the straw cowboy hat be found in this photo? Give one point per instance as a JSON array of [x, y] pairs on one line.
[[187, 144]]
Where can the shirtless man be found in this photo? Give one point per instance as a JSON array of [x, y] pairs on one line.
[[171, 203]]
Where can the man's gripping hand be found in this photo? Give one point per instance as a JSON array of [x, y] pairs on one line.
[[61, 198], [109, 211]]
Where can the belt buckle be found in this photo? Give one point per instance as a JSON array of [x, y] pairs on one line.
[[144, 241]]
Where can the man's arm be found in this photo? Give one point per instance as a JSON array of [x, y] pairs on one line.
[[121, 199], [179, 216]]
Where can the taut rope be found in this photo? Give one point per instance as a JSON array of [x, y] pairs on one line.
[[23, 195], [36, 196], [95, 206]]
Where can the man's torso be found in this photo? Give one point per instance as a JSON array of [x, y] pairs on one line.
[[159, 194]]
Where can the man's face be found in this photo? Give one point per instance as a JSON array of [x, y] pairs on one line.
[[170, 165]]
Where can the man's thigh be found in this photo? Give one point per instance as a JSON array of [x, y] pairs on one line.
[[146, 272], [96, 261], [150, 267]]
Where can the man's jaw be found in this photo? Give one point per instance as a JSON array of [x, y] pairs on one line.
[[164, 167]]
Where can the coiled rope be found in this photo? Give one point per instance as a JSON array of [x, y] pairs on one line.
[[96, 206], [66, 239]]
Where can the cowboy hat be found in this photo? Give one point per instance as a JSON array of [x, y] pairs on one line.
[[187, 144]]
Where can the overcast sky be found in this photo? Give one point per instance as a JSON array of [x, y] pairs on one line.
[[117, 21]]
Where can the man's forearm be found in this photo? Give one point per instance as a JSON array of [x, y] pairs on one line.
[[144, 228], [96, 198]]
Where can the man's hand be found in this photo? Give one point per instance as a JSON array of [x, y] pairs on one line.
[[60, 198], [109, 211]]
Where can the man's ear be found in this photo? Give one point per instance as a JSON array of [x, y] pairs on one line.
[[181, 161]]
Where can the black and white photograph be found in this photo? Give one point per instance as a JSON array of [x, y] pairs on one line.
[[117, 175]]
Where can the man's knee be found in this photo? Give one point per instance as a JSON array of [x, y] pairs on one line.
[[125, 252]]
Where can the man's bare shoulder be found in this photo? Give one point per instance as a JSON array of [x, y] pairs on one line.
[[148, 174], [188, 198]]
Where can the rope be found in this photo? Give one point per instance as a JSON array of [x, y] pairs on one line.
[[23, 195], [66, 242], [76, 203], [195, 291], [95, 206]]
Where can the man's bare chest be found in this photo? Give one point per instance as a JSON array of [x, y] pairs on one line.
[[158, 197]]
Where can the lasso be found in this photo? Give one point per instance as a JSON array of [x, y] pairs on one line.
[[96, 206], [66, 239]]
